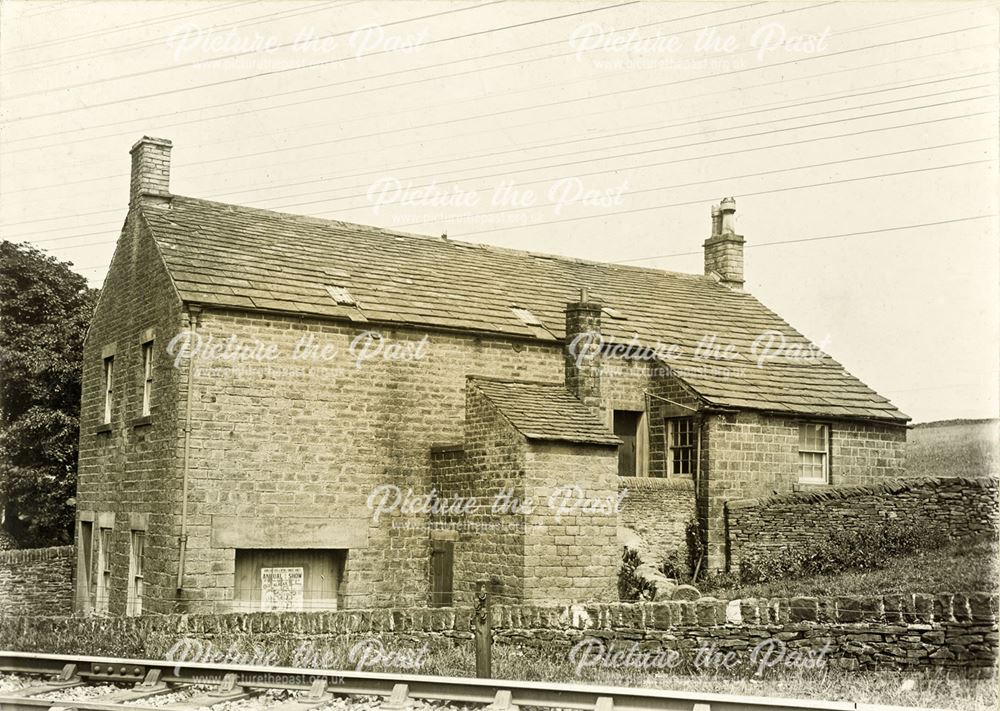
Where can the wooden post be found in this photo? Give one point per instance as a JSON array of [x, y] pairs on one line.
[[483, 635]]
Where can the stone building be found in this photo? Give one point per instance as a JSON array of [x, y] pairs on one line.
[[282, 412]]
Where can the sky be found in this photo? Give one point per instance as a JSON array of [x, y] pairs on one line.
[[859, 141]]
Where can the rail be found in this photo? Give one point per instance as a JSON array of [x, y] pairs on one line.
[[228, 682]]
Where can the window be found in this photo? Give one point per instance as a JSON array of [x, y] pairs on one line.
[[814, 453], [109, 367], [681, 438], [103, 573], [147, 376], [133, 604]]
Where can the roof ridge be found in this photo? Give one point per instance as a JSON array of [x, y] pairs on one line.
[[464, 243]]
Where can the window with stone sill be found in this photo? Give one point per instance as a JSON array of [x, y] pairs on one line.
[[814, 453], [137, 544], [147, 377], [109, 371]]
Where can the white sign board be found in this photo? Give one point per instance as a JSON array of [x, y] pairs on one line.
[[281, 589]]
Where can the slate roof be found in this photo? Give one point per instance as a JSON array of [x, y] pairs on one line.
[[545, 411], [227, 255]]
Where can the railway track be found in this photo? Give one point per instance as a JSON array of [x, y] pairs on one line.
[[77, 683]]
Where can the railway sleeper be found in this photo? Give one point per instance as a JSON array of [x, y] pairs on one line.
[[316, 696]]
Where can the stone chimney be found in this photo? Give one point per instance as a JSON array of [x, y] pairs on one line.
[[150, 172], [582, 352], [724, 249]]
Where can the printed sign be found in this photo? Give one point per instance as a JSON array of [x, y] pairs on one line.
[[281, 589]]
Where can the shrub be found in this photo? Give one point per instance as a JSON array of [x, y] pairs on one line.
[[632, 588], [683, 565]]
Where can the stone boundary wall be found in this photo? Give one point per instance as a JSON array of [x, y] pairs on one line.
[[658, 511], [911, 632], [37, 581], [958, 506]]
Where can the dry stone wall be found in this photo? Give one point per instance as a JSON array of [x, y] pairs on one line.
[[910, 632], [37, 581], [956, 506]]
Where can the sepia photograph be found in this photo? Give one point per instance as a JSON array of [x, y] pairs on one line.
[[499, 355]]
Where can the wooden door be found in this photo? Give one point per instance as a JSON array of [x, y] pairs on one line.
[[626, 427], [442, 567]]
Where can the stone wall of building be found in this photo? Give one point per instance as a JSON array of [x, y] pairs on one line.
[[751, 455], [132, 465], [37, 581], [292, 445], [952, 505], [909, 632], [571, 534], [490, 543]]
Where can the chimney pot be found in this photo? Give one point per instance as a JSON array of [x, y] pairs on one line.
[[150, 181], [728, 209], [724, 249]]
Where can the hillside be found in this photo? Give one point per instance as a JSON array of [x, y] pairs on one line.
[[954, 448]]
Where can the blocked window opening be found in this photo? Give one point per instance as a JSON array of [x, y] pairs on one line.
[[288, 580], [442, 573], [137, 544], [681, 438], [814, 453]]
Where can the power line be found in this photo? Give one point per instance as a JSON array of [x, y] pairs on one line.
[[632, 154], [753, 194], [408, 70], [270, 16], [381, 134], [729, 177], [830, 96], [654, 207], [507, 173], [819, 238], [197, 62], [275, 72], [534, 123], [418, 81], [131, 25]]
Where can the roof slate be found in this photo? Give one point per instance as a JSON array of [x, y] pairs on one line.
[[251, 258], [545, 411]]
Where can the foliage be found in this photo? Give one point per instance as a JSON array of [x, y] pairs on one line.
[[632, 588], [684, 565], [866, 547], [963, 565], [44, 311]]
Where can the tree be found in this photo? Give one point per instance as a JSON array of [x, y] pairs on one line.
[[44, 311]]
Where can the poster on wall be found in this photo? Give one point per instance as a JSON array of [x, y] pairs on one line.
[[281, 589]]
